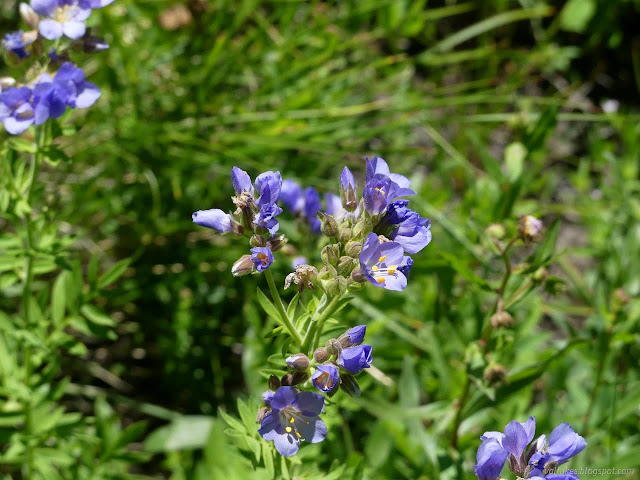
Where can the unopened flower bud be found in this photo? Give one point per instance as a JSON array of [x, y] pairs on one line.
[[349, 384], [335, 286], [242, 266], [91, 44], [496, 230], [299, 361], [321, 355], [333, 346], [330, 254], [286, 380], [348, 190], [29, 16], [346, 265], [327, 272], [358, 276], [353, 249], [261, 413], [353, 336], [274, 382], [299, 377], [494, 374], [344, 234], [276, 242], [362, 228], [502, 319], [329, 225], [258, 241], [529, 228]]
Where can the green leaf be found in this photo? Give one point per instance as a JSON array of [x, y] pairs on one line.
[[269, 308], [132, 433], [97, 316], [187, 432], [59, 299], [231, 421], [114, 273], [291, 309], [267, 456]]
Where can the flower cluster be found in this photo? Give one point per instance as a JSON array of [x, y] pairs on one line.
[[369, 241], [46, 94], [537, 462]]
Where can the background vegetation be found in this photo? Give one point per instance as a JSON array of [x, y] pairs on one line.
[[494, 110]]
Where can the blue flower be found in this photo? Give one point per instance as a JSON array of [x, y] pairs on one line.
[[241, 181], [265, 218], [268, 185], [214, 218], [64, 17], [405, 268], [355, 335], [382, 187], [384, 263], [538, 475], [292, 419], [16, 42], [564, 443], [291, 196], [267, 397], [262, 258], [326, 378], [409, 229], [490, 459], [354, 359], [348, 190], [311, 207], [514, 441], [16, 109]]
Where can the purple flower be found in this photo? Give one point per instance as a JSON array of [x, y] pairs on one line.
[[267, 397], [292, 419], [64, 17], [311, 208], [326, 378], [80, 93], [16, 42], [354, 359], [564, 443], [384, 264], [490, 459], [377, 166], [291, 196], [538, 475], [265, 218], [268, 185], [413, 233], [348, 190], [514, 441], [355, 335], [49, 100], [241, 181], [333, 205], [405, 268], [382, 187], [214, 218], [16, 109], [262, 258]]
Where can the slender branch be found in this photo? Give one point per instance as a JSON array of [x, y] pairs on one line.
[[281, 310], [326, 313]]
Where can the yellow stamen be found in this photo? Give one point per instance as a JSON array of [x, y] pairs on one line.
[[374, 268], [291, 420], [380, 280], [288, 429], [392, 269], [382, 258], [298, 433]]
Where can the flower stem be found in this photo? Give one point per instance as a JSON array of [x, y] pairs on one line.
[[323, 311], [281, 310]]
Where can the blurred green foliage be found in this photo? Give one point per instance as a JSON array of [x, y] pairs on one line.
[[494, 111]]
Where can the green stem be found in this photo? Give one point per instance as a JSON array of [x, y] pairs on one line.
[[323, 311], [326, 313], [281, 310]]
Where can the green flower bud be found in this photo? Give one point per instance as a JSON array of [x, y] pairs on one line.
[[335, 286], [344, 235], [330, 254], [357, 275], [346, 265], [333, 346], [540, 275], [257, 241], [496, 230], [353, 249], [329, 225], [349, 384], [362, 228], [502, 319], [321, 355], [494, 374]]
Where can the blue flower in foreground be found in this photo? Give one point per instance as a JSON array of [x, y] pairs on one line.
[[384, 263], [16, 109], [214, 218], [411, 230], [513, 441], [326, 378], [64, 17], [292, 419], [564, 443], [311, 207], [382, 187], [490, 459], [267, 397], [268, 185], [265, 218], [291, 196], [16, 42], [354, 359], [72, 80], [262, 258], [241, 181], [377, 166]]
